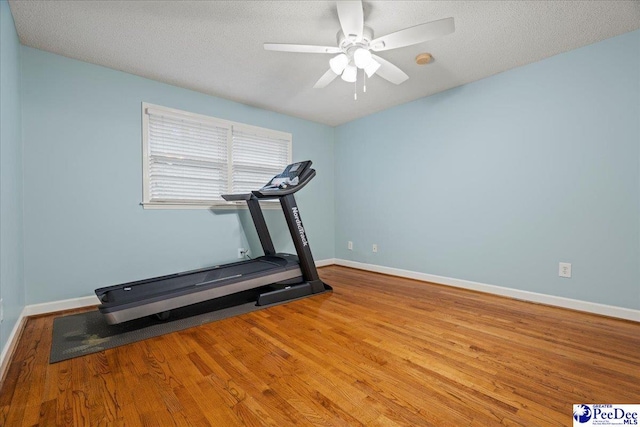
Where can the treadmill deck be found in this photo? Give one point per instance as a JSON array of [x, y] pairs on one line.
[[147, 297]]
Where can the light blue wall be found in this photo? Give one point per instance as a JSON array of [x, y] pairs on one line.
[[11, 253], [499, 180], [84, 227]]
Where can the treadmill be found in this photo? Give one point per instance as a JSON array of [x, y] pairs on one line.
[[277, 277]]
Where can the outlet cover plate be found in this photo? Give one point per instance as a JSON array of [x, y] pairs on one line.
[[564, 269]]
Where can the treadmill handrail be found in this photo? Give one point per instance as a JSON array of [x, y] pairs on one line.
[[237, 197], [281, 192]]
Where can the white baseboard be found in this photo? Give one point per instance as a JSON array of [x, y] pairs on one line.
[[325, 262], [590, 307], [65, 304], [11, 344]]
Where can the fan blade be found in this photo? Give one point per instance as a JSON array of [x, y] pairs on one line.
[[351, 18], [326, 78], [300, 48], [389, 71], [414, 35]]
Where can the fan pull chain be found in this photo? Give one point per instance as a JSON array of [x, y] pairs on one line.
[[355, 89], [364, 80]]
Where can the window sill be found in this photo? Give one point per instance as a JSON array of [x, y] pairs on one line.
[[266, 204]]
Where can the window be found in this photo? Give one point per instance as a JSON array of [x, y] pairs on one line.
[[189, 160]]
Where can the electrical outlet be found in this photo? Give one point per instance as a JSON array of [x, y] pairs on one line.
[[564, 269], [375, 248], [242, 252], [350, 245]]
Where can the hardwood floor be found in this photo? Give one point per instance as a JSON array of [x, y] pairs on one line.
[[379, 350]]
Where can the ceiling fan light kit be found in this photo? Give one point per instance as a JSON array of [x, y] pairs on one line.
[[355, 43]]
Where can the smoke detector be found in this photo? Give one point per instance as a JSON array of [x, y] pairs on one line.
[[423, 58]]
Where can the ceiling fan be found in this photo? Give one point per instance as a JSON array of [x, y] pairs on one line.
[[355, 43]]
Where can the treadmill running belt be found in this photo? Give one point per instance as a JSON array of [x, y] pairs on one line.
[[198, 278]]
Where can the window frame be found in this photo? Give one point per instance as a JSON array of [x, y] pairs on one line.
[[230, 126]]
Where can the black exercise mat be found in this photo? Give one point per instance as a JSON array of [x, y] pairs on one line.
[[85, 333]]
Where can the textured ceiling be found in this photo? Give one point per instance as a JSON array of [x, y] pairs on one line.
[[216, 47]]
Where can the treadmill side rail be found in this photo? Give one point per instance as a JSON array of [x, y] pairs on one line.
[[133, 310]]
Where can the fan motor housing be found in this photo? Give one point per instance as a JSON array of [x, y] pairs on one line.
[[345, 43]]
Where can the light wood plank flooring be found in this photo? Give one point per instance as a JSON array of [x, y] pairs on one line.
[[379, 350]]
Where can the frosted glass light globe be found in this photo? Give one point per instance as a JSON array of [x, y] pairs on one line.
[[350, 74], [361, 57], [338, 63]]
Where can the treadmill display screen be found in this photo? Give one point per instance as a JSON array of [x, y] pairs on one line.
[[288, 178], [278, 181]]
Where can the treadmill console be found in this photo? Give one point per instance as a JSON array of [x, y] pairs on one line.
[[290, 176], [291, 179]]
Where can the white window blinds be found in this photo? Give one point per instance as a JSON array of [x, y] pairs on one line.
[[187, 159], [192, 159], [256, 158]]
